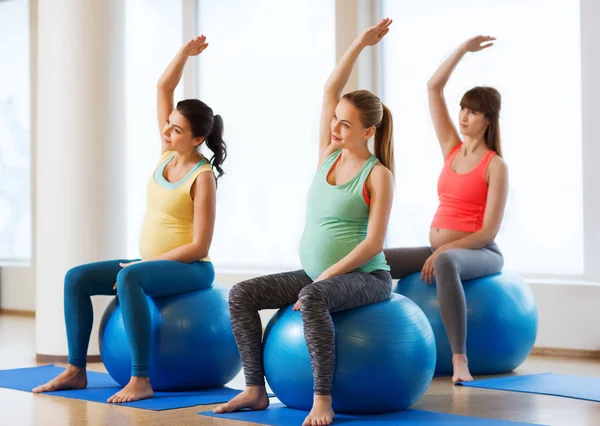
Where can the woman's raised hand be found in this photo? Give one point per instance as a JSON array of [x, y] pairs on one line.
[[195, 46], [374, 34], [474, 44]]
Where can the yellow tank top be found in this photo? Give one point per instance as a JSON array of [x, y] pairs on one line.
[[168, 223]]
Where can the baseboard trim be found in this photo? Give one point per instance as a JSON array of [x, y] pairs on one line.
[[63, 359], [17, 313], [571, 353]]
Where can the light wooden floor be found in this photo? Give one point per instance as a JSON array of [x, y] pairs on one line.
[[23, 408]]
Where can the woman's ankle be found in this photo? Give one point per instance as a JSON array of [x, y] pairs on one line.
[[75, 369], [322, 397]]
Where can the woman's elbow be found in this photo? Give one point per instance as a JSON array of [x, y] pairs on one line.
[[490, 234], [376, 245], [200, 250], [433, 85]]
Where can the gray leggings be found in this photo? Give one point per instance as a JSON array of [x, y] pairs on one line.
[[450, 267], [317, 300]]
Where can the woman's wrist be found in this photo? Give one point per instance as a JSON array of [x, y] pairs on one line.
[[462, 49]]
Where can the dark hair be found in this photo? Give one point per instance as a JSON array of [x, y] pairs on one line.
[[204, 123], [374, 113], [486, 100]]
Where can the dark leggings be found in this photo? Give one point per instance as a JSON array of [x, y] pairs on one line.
[[451, 267], [317, 300]]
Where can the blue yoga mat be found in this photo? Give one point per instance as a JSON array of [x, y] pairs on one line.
[[578, 387], [279, 415], [101, 387]]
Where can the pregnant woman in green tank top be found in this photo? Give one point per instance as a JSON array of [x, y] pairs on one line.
[[341, 250]]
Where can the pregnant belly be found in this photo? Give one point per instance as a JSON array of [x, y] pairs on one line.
[[441, 236]]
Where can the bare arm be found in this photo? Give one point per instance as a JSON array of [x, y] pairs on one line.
[[494, 211], [442, 123], [380, 185], [338, 80], [168, 81], [204, 191]]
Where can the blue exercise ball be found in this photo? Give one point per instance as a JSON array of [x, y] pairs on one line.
[[192, 342], [502, 321], [385, 358]]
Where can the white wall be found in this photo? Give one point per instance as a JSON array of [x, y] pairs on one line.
[[17, 288], [568, 316], [568, 312]]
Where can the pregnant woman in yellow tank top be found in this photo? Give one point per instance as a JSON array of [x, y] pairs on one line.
[[174, 242]]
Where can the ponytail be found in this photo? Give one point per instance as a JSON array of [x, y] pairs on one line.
[[214, 141], [384, 140]]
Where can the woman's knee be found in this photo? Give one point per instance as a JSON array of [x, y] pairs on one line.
[[127, 277], [444, 264], [312, 295], [76, 277], [242, 294]]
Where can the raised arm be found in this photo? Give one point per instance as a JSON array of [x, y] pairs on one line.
[[338, 79], [168, 81], [442, 123]]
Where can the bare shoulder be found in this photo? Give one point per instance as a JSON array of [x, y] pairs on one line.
[[497, 170], [498, 165], [380, 177], [204, 184]]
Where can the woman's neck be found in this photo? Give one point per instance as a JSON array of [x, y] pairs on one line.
[[471, 145], [186, 158], [358, 154]]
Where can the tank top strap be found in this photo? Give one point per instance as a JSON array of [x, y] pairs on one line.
[[485, 162], [165, 157], [329, 162], [365, 171], [201, 167]]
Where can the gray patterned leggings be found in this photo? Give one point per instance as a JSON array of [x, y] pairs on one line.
[[450, 267], [317, 301]]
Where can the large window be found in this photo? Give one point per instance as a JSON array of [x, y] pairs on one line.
[[535, 64], [154, 34], [15, 158], [264, 72]]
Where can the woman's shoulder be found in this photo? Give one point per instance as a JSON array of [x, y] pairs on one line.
[[381, 175], [497, 167]]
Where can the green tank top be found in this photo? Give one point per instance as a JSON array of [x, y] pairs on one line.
[[336, 221]]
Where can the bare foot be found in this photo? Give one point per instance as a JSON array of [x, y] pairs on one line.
[[72, 378], [137, 389], [461, 368], [253, 397], [321, 414]]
